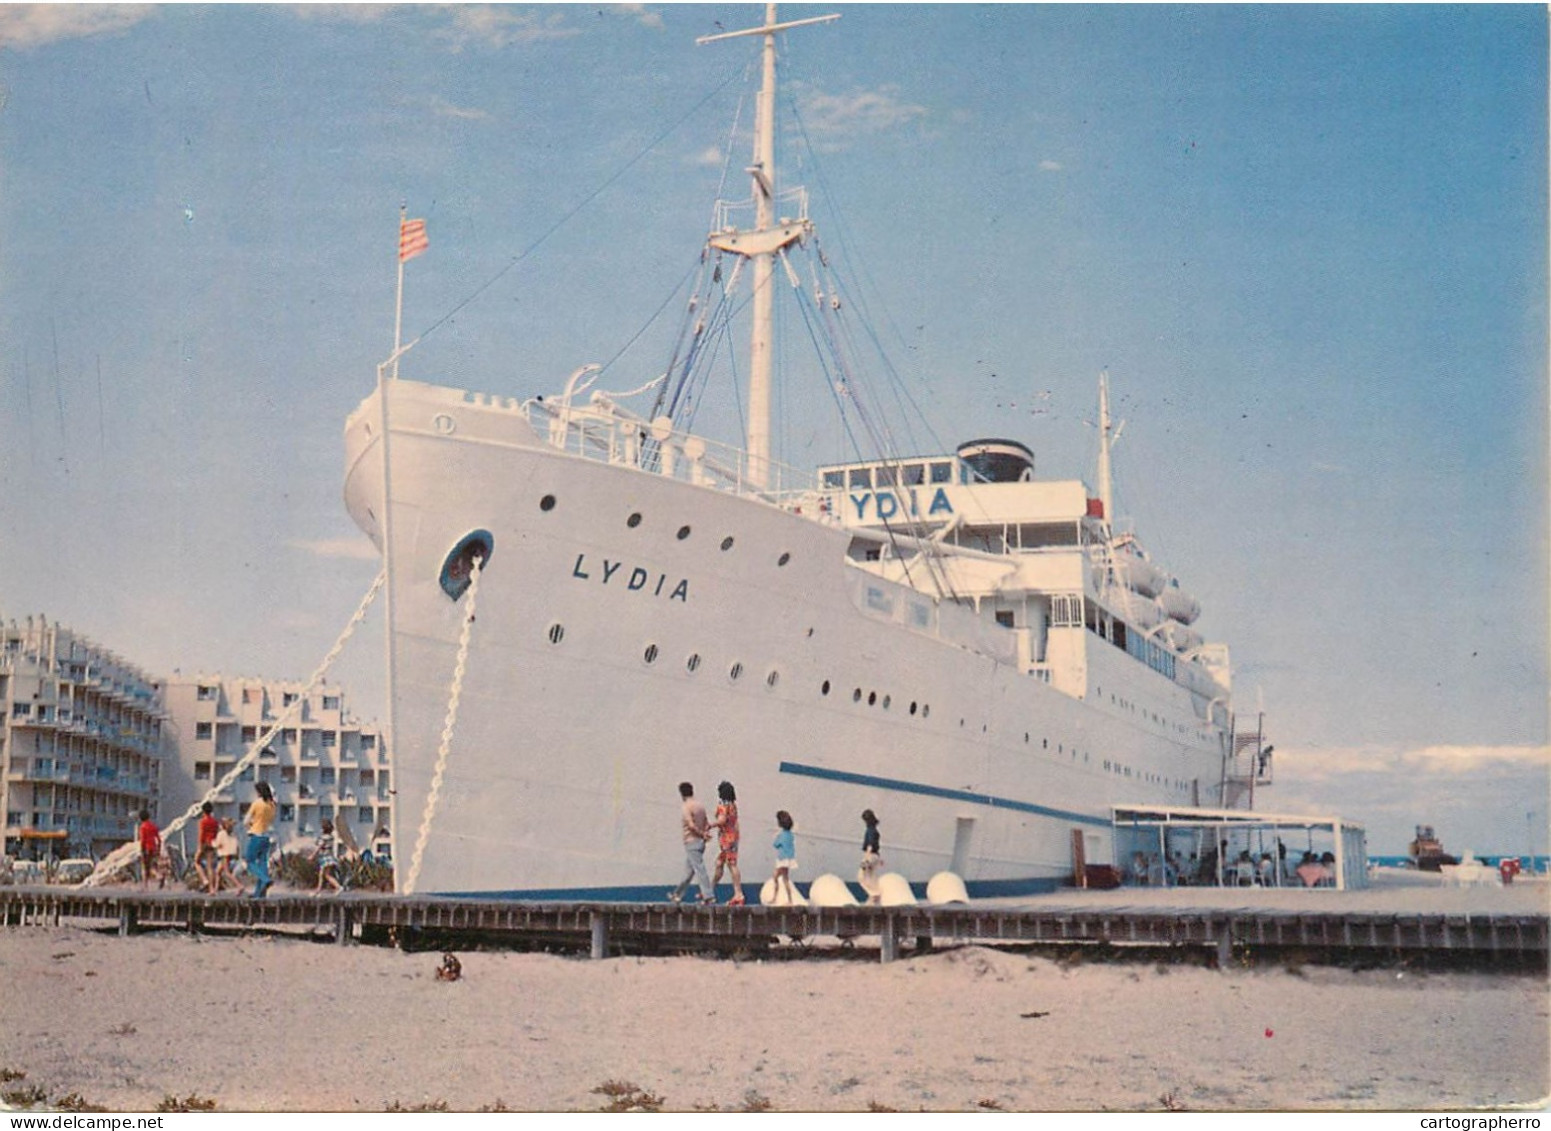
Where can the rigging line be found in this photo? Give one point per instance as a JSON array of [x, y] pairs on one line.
[[866, 273], [647, 325], [588, 199]]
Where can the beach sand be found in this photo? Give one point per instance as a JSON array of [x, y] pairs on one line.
[[267, 1023]]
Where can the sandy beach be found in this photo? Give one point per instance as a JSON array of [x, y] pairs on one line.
[[267, 1023]]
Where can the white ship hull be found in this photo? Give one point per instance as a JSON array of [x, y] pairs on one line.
[[561, 775]]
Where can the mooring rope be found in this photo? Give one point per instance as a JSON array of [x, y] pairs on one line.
[[448, 726], [125, 854]]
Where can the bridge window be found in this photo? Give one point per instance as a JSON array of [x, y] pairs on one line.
[[860, 477], [913, 474], [942, 473]]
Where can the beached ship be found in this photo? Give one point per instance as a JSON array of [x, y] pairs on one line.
[[981, 656]]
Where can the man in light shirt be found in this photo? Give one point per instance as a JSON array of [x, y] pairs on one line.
[[696, 830]]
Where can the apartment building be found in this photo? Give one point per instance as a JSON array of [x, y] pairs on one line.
[[80, 742], [324, 763]]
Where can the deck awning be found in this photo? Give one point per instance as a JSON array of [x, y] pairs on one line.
[[1347, 840]]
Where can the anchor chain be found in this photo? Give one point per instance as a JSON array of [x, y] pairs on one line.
[[433, 796], [125, 854]]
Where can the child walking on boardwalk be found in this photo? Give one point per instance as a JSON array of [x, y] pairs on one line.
[[785, 845], [325, 856]]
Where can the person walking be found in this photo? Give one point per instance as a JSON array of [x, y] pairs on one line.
[[261, 817], [325, 856], [872, 859], [150, 847], [726, 825], [785, 845], [226, 856], [206, 861], [696, 831]]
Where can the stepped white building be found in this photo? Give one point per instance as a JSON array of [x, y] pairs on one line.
[[325, 764]]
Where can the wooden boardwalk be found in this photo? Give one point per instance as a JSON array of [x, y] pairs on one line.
[[615, 928]]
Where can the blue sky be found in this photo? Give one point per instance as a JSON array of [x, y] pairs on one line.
[[1308, 243]]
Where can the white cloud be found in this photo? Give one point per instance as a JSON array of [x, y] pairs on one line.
[[643, 15], [1049, 166], [444, 109], [498, 27], [834, 120], [1317, 764], [711, 157], [25, 26], [357, 547]]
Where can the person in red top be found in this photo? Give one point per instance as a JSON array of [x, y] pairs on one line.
[[207, 861], [150, 847]]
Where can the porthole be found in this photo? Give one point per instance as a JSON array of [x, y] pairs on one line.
[[736, 671], [872, 698], [824, 688], [912, 708], [650, 655], [443, 424], [886, 701], [856, 696], [458, 566], [547, 503], [634, 520], [683, 533], [693, 663], [556, 633], [727, 543], [783, 559], [772, 679], [925, 710]]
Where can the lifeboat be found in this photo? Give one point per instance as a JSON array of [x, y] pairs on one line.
[[1140, 574], [1178, 604], [1180, 638]]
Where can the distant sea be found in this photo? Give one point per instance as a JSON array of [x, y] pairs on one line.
[[1536, 864]]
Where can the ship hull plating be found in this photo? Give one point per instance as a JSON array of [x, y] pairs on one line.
[[714, 637]]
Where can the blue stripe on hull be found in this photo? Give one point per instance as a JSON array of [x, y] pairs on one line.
[[937, 791], [980, 889]]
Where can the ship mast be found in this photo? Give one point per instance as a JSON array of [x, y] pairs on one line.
[[763, 243], [1106, 481]]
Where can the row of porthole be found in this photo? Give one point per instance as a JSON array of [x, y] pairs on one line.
[[874, 700], [547, 503], [692, 664]]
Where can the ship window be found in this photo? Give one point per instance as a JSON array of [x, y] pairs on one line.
[[1004, 618], [736, 672], [834, 480], [872, 698], [634, 520], [824, 688], [861, 477], [693, 663], [547, 503], [886, 476], [856, 696], [886, 700], [913, 474], [683, 533], [650, 655], [556, 633], [942, 473], [772, 679], [727, 543], [926, 709], [783, 559], [912, 707]]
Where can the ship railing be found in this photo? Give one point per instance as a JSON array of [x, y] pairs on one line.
[[604, 432]]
